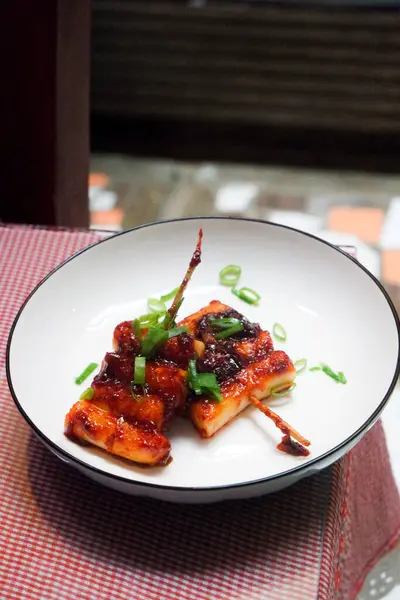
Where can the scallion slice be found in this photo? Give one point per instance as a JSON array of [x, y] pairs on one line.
[[227, 325], [169, 296], [87, 394], [156, 306], [338, 377], [85, 374], [155, 337], [278, 394], [174, 331], [139, 374], [224, 322], [247, 295], [203, 383], [225, 333], [149, 319], [193, 377], [300, 365], [137, 330], [230, 275], [279, 332], [209, 385]]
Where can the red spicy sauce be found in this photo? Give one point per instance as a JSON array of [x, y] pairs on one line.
[[290, 446]]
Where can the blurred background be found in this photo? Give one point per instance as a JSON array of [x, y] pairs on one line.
[[283, 111]]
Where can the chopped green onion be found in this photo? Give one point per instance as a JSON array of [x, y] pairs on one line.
[[338, 377], [225, 333], [169, 296], [176, 331], [85, 374], [155, 337], [278, 394], [224, 322], [136, 329], [247, 295], [156, 306], [149, 319], [215, 393], [203, 383], [87, 394], [279, 332], [193, 377], [230, 275], [300, 365], [209, 385], [139, 375], [206, 379], [228, 325]]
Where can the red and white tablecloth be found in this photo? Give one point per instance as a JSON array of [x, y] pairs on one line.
[[64, 537]]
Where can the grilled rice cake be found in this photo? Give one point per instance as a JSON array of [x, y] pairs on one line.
[[86, 423], [245, 365], [276, 371]]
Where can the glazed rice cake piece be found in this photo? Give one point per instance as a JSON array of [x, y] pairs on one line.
[[249, 346], [86, 423], [192, 321], [275, 372]]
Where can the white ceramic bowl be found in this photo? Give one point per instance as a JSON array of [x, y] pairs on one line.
[[332, 308]]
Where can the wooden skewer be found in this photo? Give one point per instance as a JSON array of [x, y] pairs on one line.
[[280, 423], [195, 261]]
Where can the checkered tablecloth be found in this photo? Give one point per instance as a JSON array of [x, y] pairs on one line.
[[63, 536]]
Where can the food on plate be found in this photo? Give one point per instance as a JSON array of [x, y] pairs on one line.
[[292, 442], [339, 377], [85, 373], [229, 276], [208, 367], [87, 423], [258, 379]]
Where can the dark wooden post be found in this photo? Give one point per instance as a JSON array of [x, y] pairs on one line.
[[44, 112]]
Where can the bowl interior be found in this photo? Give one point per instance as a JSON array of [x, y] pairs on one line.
[[332, 310]]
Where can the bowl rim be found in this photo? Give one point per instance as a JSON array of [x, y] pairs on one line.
[[70, 458]]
